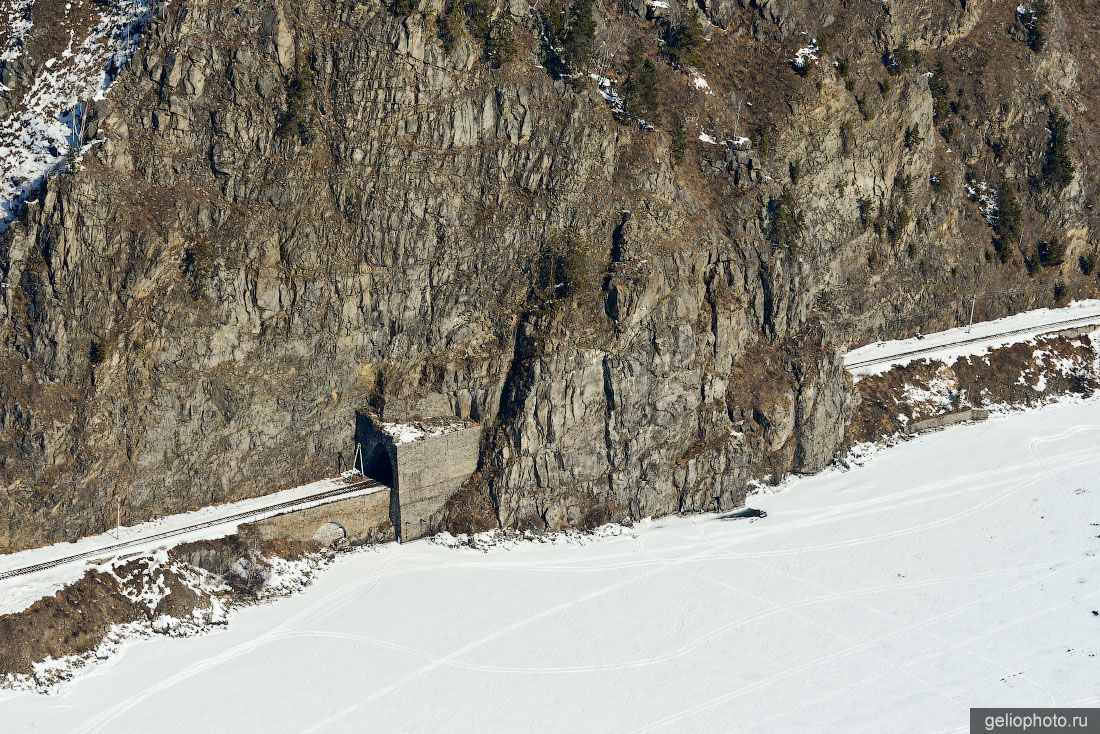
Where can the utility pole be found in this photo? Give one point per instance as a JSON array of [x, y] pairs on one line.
[[357, 462], [118, 518], [973, 303]]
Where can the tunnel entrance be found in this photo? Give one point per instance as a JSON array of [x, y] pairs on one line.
[[375, 461], [376, 465]]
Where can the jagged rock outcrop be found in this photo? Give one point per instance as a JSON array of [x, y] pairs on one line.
[[303, 211]]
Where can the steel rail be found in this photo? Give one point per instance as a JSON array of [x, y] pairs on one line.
[[1038, 330], [331, 495]]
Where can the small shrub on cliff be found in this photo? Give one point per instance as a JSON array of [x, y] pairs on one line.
[[450, 25], [574, 269], [845, 138], [761, 141], [912, 138], [939, 89], [580, 36], [678, 139], [900, 59], [794, 170], [864, 107], [197, 264], [97, 352], [72, 156], [1035, 21], [500, 44], [479, 17], [1008, 213], [565, 270], [865, 209], [903, 184], [1051, 253], [879, 224], [784, 221], [570, 32], [1087, 263], [298, 118], [683, 40], [897, 225], [1007, 224], [1060, 291]]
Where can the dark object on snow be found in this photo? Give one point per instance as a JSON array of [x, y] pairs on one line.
[[748, 512], [1095, 613]]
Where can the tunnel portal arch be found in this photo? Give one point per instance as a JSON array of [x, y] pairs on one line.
[[422, 460]]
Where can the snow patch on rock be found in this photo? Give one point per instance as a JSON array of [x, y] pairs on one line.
[[403, 433], [45, 134]]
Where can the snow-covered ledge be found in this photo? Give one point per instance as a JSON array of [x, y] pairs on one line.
[[418, 430]]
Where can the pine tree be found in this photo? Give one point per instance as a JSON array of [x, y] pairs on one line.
[[1058, 166], [642, 87]]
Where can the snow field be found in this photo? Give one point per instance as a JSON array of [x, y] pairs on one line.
[[958, 569]]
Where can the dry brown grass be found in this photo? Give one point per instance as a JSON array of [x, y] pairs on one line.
[[469, 511]]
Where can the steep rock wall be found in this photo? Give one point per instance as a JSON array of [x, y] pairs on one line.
[[301, 211]]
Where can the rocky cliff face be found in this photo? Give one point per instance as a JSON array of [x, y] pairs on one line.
[[294, 212]]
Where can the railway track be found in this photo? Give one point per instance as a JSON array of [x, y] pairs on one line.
[[1035, 330], [331, 495]]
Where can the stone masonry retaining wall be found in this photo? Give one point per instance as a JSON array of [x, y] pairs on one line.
[[365, 519], [426, 472], [948, 419]]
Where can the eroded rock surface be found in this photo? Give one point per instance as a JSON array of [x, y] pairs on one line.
[[301, 211]]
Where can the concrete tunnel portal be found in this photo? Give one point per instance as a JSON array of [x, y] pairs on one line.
[[424, 460]]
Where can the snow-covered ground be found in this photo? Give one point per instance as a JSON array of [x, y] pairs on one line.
[[21, 591], [944, 346], [958, 569]]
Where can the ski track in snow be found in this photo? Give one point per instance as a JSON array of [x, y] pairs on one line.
[[937, 577]]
